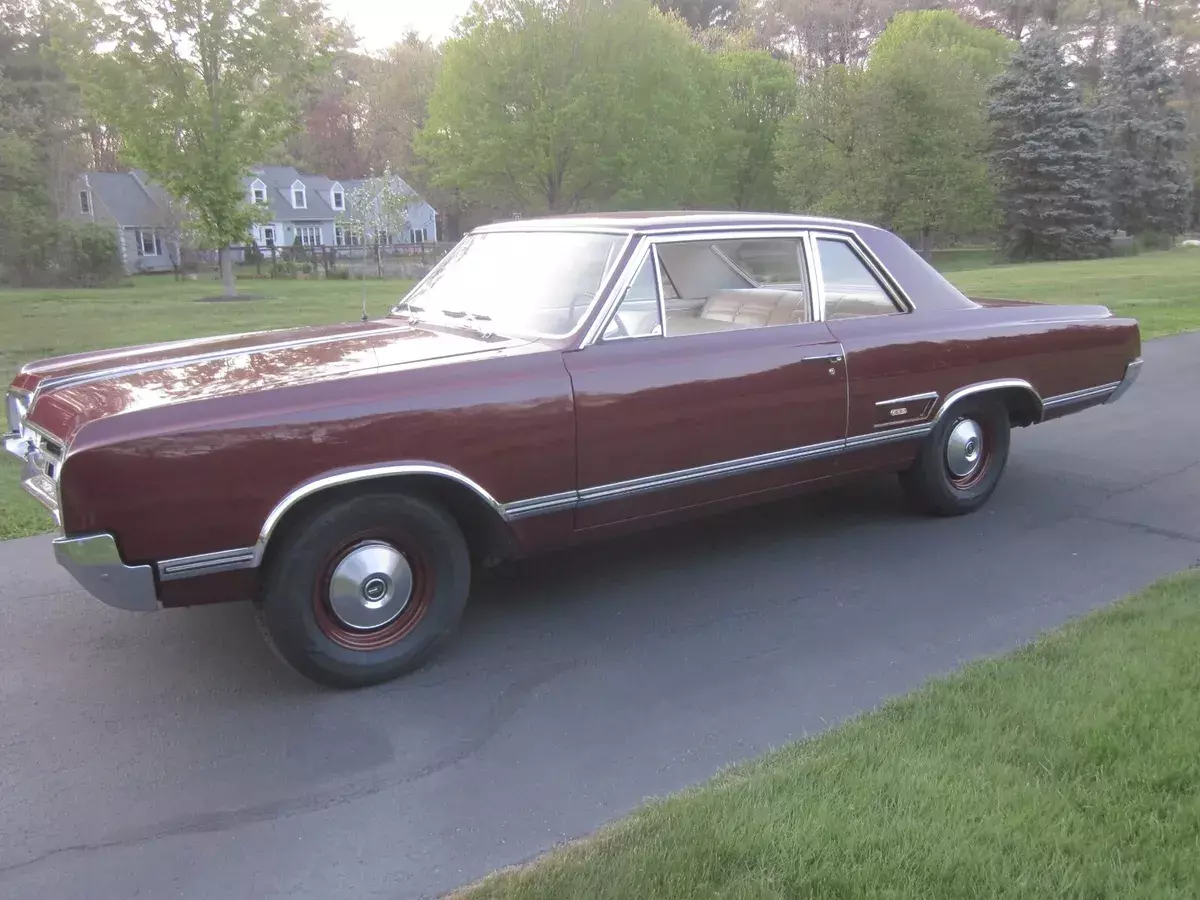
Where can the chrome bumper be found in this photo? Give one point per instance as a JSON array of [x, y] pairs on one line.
[[1132, 370], [95, 562]]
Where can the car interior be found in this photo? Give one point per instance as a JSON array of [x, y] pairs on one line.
[[727, 285]]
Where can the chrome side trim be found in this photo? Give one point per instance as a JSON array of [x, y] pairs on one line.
[[1132, 371], [523, 509], [365, 473], [681, 477], [95, 562], [888, 437], [1093, 393], [207, 563]]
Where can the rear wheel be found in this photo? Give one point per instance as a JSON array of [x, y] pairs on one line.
[[962, 460], [363, 590]]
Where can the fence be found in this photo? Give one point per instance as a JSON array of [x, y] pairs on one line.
[[326, 261]]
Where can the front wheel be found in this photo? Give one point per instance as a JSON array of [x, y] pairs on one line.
[[363, 590], [962, 460]]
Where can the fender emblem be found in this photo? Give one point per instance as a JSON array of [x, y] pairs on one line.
[[899, 411]]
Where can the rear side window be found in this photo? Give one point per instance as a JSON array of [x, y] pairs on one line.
[[851, 288]]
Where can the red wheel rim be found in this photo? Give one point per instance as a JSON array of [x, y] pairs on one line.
[[399, 627]]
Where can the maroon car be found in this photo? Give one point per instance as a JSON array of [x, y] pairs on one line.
[[550, 381]]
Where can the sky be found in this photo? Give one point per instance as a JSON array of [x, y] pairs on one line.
[[380, 23]]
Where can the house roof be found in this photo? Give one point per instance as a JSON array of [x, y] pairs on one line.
[[128, 198], [278, 181]]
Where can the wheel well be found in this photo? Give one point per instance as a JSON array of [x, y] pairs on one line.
[[1024, 406], [488, 536]]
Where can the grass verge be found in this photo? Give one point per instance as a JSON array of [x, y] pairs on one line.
[[1069, 769]]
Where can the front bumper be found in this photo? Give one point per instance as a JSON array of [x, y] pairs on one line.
[[95, 562]]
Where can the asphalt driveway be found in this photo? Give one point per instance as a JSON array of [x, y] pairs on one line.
[[170, 755]]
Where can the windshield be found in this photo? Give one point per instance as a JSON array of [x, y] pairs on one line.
[[524, 283]]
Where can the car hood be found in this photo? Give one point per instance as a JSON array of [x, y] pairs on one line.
[[70, 391]]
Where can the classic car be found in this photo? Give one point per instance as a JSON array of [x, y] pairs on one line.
[[550, 381]]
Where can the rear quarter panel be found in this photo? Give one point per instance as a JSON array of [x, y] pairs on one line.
[[1057, 349]]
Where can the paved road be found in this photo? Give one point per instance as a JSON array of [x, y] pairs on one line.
[[169, 755]]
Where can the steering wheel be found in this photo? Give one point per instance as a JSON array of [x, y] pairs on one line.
[[619, 324]]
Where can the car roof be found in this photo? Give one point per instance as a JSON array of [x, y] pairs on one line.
[[666, 221]]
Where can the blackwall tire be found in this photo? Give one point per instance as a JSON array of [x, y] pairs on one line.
[[363, 591], [962, 459]]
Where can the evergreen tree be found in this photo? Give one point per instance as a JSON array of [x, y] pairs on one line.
[[1047, 159], [1150, 184]]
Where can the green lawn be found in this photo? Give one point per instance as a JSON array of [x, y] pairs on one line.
[[1070, 769], [36, 324], [1160, 290]]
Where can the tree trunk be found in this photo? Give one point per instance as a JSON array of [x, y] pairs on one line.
[[228, 285], [926, 250]]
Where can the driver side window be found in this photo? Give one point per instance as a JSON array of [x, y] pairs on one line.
[[638, 314]]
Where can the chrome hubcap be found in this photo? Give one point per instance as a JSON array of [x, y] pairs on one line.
[[964, 448], [370, 586]]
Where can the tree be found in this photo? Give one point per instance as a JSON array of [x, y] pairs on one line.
[[376, 210], [1047, 158], [40, 149], [215, 82], [818, 34], [1149, 180], [758, 93], [586, 104], [394, 99], [821, 165], [702, 14], [927, 80], [901, 141]]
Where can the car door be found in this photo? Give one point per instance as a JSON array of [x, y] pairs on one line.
[[706, 381]]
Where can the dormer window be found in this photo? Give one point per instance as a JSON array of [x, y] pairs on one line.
[[337, 198], [299, 197], [258, 191]]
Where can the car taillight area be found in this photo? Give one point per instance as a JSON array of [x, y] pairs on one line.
[[41, 453]]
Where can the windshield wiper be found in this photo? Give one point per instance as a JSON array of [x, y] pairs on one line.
[[463, 314]]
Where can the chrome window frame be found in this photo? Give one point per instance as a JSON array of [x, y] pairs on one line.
[[883, 278], [650, 242]]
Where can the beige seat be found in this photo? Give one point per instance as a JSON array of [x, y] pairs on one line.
[[756, 307]]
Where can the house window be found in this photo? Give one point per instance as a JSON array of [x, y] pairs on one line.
[[148, 243], [338, 197], [310, 235], [299, 197], [85, 202], [346, 237], [418, 235], [268, 235], [259, 192]]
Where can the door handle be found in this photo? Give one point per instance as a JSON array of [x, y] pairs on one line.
[[824, 358]]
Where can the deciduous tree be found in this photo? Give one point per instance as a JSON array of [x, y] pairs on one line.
[[199, 90], [560, 105]]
